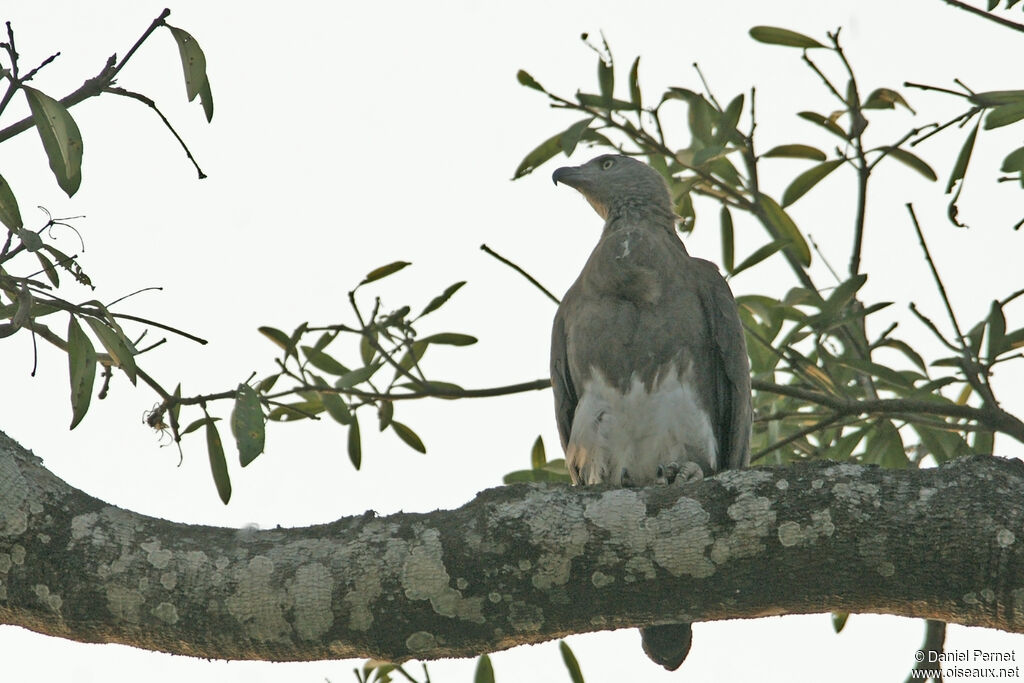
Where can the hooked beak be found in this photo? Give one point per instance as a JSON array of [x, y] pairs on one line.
[[567, 175]]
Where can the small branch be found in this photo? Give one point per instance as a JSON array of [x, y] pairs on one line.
[[981, 13], [533, 281], [93, 86], [938, 280], [993, 417], [816, 427], [157, 23], [152, 105]]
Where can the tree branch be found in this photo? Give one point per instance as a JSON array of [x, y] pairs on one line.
[[518, 564], [982, 13]]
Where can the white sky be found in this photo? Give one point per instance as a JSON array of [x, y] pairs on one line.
[[350, 135]]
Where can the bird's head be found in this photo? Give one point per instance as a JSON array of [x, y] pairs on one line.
[[612, 183]]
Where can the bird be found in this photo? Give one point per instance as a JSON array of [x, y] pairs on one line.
[[649, 366]]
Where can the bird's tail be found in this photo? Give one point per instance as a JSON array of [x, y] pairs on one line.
[[667, 645]]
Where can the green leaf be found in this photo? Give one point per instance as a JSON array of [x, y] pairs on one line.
[[839, 621], [796, 152], [842, 295], [280, 338], [541, 153], [441, 299], [913, 161], [385, 413], [206, 99], [728, 243], [994, 98], [408, 436], [781, 36], [942, 445], [537, 455], [218, 463], [996, 336], [350, 379], [808, 179], [367, 348], [707, 154], [759, 255], [1004, 115], [605, 78], [10, 216], [323, 361], [412, 355], [527, 80], [193, 63], [984, 442], [1014, 161], [355, 448], [877, 370], [826, 123], [484, 671], [451, 338], [729, 119], [885, 98], [570, 137], [785, 228], [885, 447], [570, 662], [907, 351], [247, 424], [845, 445], [384, 271], [634, 84], [51, 272], [61, 138], [82, 369], [336, 407], [176, 409], [963, 159], [599, 101], [32, 241], [121, 350]]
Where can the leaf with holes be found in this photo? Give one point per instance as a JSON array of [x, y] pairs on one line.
[[61, 139], [193, 63], [247, 424]]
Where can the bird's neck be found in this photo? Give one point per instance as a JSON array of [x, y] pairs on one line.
[[629, 213]]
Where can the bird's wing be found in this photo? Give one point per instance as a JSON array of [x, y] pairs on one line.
[[561, 382], [732, 376]]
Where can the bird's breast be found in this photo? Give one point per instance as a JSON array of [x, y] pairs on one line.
[[625, 435]]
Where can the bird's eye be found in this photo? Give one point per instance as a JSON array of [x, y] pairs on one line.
[[607, 163]]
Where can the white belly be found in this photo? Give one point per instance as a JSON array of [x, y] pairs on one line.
[[634, 433]]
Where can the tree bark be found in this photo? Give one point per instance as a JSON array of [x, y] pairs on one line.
[[518, 564]]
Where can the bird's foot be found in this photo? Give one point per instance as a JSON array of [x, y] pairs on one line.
[[672, 473]]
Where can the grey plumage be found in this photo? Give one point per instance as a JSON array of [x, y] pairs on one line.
[[648, 362]]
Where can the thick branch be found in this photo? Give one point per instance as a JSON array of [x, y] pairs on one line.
[[519, 564]]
